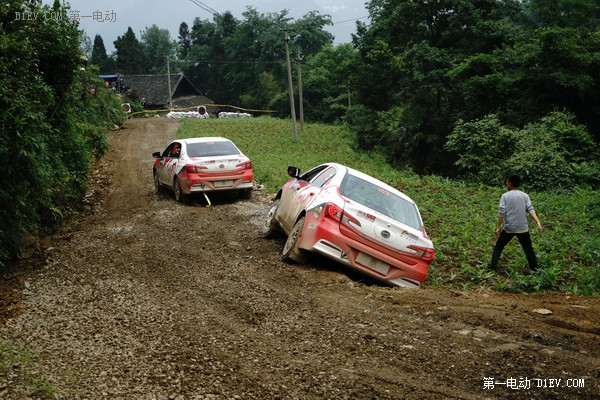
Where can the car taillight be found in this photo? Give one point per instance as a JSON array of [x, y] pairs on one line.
[[423, 253], [336, 213], [245, 165], [194, 169]]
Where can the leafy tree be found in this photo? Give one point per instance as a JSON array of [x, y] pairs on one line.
[[230, 60], [44, 153], [483, 148], [562, 13], [257, 46], [328, 78], [554, 68], [267, 89], [130, 54], [309, 32], [205, 64], [425, 65], [158, 47]]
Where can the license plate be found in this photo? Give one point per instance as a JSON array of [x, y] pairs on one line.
[[221, 184], [373, 263]]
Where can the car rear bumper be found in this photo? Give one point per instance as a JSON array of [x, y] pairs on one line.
[[325, 238], [198, 184], [209, 187]]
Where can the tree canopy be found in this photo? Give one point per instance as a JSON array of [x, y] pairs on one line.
[[423, 66], [414, 74]]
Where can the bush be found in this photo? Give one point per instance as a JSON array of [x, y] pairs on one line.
[[556, 152], [52, 121], [553, 152]]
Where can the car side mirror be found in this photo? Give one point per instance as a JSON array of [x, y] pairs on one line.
[[156, 154], [294, 172]]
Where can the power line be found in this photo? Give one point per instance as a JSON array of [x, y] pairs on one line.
[[350, 20], [205, 7], [235, 62]]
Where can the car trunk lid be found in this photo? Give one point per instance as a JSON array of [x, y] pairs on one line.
[[373, 227]]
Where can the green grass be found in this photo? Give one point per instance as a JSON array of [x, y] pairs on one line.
[[16, 364], [460, 217]]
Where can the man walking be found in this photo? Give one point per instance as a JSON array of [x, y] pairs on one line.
[[512, 211]]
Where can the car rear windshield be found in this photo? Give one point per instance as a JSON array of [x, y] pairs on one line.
[[380, 199], [208, 149]]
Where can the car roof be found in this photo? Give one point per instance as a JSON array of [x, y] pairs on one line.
[[371, 179], [205, 139]]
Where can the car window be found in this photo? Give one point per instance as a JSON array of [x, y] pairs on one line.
[[324, 177], [172, 151], [310, 175], [208, 149], [380, 199], [176, 151]]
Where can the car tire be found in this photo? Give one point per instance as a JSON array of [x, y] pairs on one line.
[[269, 227], [157, 185], [180, 197], [291, 251]]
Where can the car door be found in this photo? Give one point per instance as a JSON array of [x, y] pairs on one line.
[[168, 163], [298, 195]]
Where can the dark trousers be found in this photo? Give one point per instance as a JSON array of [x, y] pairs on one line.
[[525, 241]]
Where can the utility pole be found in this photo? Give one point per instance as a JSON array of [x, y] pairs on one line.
[[169, 83], [291, 86], [301, 105]]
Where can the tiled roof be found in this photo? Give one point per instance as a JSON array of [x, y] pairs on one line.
[[155, 88]]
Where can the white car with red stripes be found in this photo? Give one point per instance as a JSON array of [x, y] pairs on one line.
[[352, 218], [200, 165]]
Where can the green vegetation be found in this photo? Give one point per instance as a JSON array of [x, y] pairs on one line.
[[423, 68], [457, 88], [420, 83], [53, 120], [17, 363], [460, 217], [552, 153]]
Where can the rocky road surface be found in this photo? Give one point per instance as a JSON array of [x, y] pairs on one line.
[[140, 297]]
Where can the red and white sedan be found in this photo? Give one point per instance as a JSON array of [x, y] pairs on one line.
[[199, 165], [354, 219]]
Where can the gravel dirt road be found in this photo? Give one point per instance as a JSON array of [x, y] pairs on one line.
[[140, 297]]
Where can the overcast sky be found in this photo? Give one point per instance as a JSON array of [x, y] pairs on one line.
[[111, 18]]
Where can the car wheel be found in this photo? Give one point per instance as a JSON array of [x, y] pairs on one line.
[[179, 195], [157, 186], [291, 251], [269, 227]]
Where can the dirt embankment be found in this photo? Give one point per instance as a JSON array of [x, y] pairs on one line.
[[144, 298]]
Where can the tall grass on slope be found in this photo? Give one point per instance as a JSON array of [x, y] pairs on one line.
[[460, 218]]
